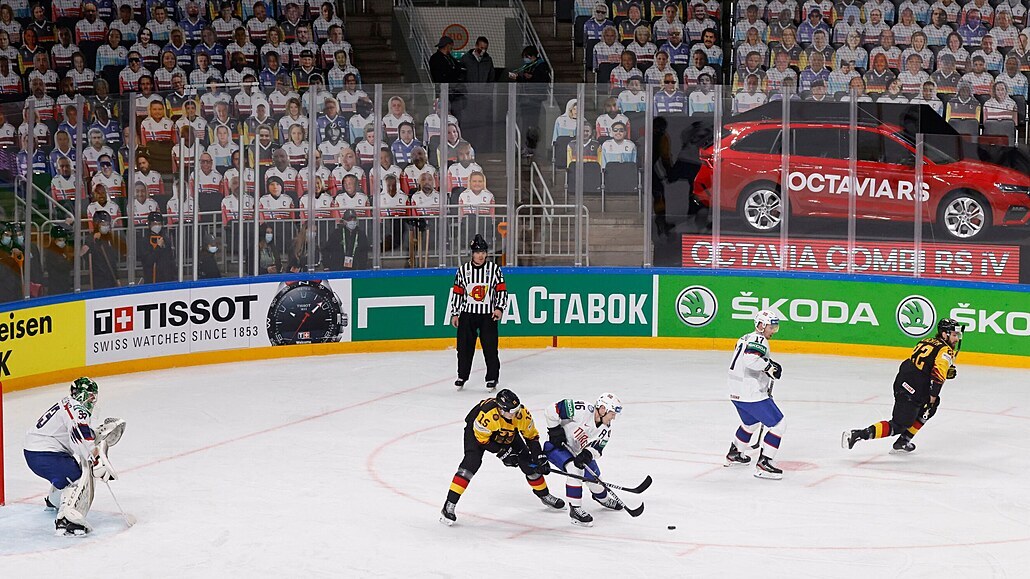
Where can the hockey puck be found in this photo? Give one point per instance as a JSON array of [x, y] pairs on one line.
[[672, 527]]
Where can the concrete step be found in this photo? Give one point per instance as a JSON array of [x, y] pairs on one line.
[[616, 258]]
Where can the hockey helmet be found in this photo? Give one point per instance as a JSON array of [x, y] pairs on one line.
[[507, 401], [84, 391], [945, 326], [155, 217], [610, 402], [478, 244], [766, 318]]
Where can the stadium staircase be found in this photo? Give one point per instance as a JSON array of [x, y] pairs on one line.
[[369, 32]]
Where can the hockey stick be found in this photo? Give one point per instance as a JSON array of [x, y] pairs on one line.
[[128, 524], [761, 429], [632, 512], [635, 490]]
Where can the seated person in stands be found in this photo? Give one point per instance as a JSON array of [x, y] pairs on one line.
[[609, 49], [816, 70], [633, 99], [752, 43], [856, 87], [702, 99], [749, 98], [642, 45], [928, 96], [693, 73], [618, 149], [634, 19], [669, 100], [677, 50], [626, 69], [840, 79], [593, 28], [879, 76], [946, 77], [819, 92], [670, 18], [590, 148], [661, 67], [609, 118], [475, 199], [893, 94]]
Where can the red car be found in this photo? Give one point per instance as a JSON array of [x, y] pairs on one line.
[[962, 198]]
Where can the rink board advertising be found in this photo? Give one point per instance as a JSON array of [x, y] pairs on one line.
[[586, 304], [186, 320], [993, 263], [138, 325], [843, 312]]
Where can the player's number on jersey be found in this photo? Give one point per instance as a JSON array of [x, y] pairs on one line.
[[46, 417], [736, 354], [920, 356]]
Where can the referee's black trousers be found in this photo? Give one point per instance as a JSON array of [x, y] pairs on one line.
[[470, 327]]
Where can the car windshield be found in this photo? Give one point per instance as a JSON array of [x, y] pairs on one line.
[[935, 155]]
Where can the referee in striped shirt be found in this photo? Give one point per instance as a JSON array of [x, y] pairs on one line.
[[480, 297]]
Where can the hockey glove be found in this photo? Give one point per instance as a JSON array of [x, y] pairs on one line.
[[508, 456], [583, 459], [952, 372], [929, 410], [556, 435], [102, 468], [542, 465], [774, 370]]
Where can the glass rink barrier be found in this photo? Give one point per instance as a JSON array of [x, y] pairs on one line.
[[652, 163]]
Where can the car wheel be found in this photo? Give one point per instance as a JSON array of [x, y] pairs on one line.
[[760, 207], [964, 215]]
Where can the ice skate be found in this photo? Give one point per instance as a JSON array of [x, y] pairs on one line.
[[764, 468], [447, 515], [580, 517], [735, 457], [553, 501]]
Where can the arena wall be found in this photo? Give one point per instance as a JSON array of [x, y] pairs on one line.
[[151, 327]]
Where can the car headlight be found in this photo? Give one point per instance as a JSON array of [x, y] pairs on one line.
[[1007, 188]]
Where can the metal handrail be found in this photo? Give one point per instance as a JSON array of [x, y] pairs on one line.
[[582, 214], [418, 45], [46, 195], [542, 194]]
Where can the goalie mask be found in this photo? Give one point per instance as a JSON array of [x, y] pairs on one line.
[[84, 391]]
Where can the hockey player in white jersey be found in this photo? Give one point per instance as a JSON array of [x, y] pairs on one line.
[[751, 376], [577, 433], [63, 448]]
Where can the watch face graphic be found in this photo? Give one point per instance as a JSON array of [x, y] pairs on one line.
[[305, 312]]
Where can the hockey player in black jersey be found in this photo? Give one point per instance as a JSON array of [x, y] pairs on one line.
[[917, 389], [503, 426]]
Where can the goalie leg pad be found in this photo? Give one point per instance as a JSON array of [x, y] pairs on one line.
[[110, 431], [77, 499]]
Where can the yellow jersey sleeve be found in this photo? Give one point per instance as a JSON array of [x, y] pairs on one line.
[[944, 360]]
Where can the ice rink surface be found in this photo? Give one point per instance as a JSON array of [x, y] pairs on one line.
[[338, 466]]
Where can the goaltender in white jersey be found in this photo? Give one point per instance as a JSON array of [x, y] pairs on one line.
[[577, 434], [63, 448]]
